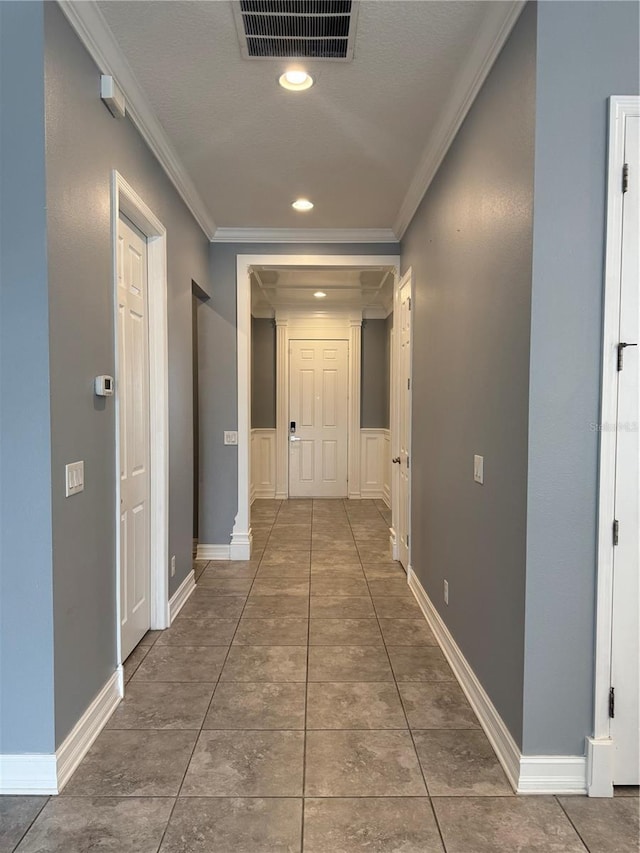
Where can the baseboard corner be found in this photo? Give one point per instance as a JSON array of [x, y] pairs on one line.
[[212, 552], [180, 596], [599, 769], [80, 739], [32, 774]]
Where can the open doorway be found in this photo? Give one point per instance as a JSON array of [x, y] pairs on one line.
[[289, 454]]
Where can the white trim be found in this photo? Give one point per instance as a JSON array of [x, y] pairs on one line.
[[94, 33], [126, 200], [241, 537], [375, 459], [619, 109], [304, 235], [353, 420], [527, 774], [394, 420], [34, 774], [79, 741], [181, 595], [213, 552], [494, 31]]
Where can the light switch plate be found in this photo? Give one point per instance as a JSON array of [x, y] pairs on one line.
[[230, 436], [74, 478], [173, 566], [478, 469]]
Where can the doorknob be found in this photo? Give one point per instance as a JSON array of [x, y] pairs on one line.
[[294, 438], [396, 461]]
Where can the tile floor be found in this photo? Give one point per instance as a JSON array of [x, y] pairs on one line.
[[300, 702]]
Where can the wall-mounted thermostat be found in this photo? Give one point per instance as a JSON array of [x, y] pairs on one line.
[[104, 386]]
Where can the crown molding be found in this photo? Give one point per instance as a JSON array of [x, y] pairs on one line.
[[304, 235], [93, 31], [493, 34]]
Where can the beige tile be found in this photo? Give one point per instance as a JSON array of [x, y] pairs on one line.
[[265, 663], [182, 663], [344, 632], [362, 764], [370, 825], [280, 631], [437, 705], [348, 663], [605, 825], [407, 632], [341, 607], [460, 764], [354, 705], [419, 663], [158, 705], [257, 706], [505, 824]]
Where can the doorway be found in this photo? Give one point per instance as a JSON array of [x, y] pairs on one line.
[[614, 751], [141, 396], [318, 418]]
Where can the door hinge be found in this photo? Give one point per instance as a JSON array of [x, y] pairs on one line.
[[407, 540], [408, 385], [616, 531], [612, 703], [407, 461], [409, 300], [621, 348], [625, 177]]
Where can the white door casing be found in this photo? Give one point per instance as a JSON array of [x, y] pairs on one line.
[[318, 407], [133, 396], [602, 747], [625, 641], [404, 417], [241, 535], [125, 200]]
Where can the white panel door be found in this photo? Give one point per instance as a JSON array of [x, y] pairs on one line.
[[318, 392], [625, 658], [132, 387], [403, 459]]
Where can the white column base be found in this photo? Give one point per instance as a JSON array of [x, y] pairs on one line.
[[600, 767]]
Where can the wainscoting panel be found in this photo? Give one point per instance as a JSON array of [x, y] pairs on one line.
[[375, 464], [263, 463]]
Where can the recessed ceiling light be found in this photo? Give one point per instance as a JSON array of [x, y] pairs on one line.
[[296, 80], [302, 204], [319, 294]]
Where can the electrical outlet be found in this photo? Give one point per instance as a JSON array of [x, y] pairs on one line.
[[230, 436], [478, 469], [446, 592], [173, 566]]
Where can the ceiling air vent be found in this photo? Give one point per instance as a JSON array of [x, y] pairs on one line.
[[296, 29]]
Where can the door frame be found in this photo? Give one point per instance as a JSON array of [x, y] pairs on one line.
[[394, 420], [600, 746], [240, 548], [124, 199]]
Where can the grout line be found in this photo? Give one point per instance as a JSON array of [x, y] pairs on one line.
[[568, 816]]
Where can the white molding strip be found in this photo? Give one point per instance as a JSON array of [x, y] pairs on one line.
[[304, 235], [212, 552], [86, 730], [240, 547], [28, 774], [528, 774], [600, 755], [181, 595], [95, 34], [494, 32]]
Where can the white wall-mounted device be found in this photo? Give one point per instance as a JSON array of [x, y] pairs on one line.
[[103, 386], [74, 478], [113, 96]]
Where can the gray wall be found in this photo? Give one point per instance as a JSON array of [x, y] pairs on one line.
[[586, 52], [263, 370], [26, 593], [84, 143], [218, 376], [470, 248], [374, 403]]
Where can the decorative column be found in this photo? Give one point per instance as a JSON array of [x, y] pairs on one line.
[[355, 358], [282, 408]]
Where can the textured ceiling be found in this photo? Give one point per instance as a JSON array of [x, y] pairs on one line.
[[351, 143]]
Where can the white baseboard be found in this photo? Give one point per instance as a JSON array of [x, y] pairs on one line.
[[599, 767], [212, 552], [528, 774], [28, 774], [86, 730], [180, 596]]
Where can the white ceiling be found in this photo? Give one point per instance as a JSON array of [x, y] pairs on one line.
[[354, 143], [369, 290]]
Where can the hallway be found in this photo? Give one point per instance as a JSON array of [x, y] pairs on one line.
[[309, 671]]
